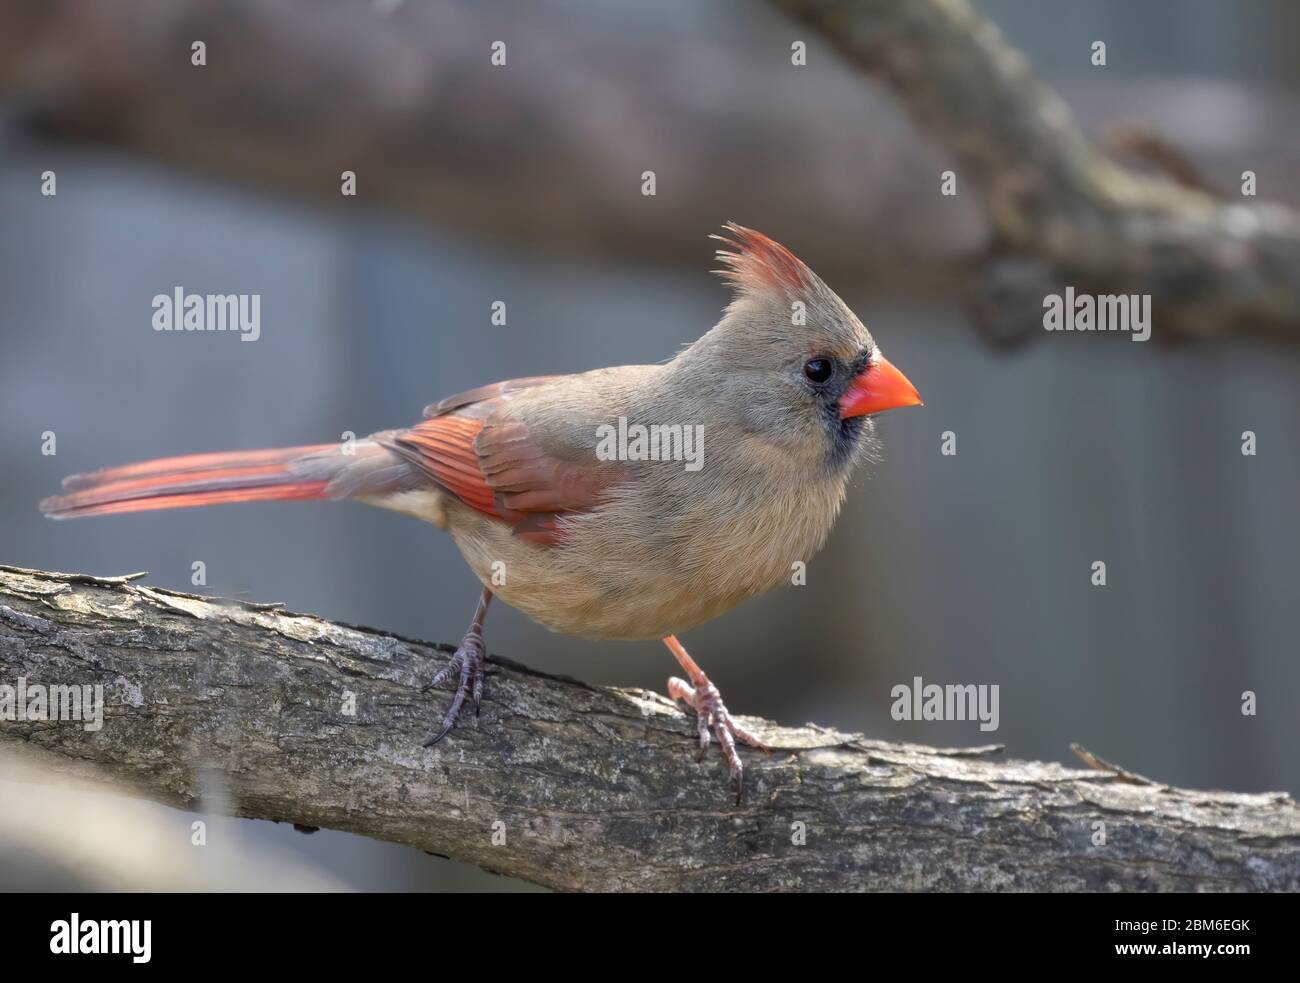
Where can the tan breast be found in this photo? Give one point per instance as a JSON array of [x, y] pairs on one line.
[[625, 571]]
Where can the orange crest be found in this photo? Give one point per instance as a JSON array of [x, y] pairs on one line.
[[755, 262]]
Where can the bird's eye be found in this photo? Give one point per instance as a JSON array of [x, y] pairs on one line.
[[818, 369]]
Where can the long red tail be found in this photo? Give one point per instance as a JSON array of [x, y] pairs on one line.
[[201, 479]]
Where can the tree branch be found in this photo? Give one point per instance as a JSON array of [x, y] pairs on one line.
[[544, 153], [593, 789], [547, 152], [1063, 212]]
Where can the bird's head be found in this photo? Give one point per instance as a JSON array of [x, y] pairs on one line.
[[790, 359]]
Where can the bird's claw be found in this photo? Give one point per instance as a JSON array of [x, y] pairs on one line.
[[468, 662], [712, 720]]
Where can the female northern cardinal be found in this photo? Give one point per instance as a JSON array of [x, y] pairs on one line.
[[592, 543]]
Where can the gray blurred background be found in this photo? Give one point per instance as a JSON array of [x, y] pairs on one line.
[[965, 569]]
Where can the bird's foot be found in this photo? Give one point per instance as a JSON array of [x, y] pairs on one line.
[[713, 720], [468, 662]]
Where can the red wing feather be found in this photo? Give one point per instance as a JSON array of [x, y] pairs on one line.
[[492, 463], [527, 479], [443, 447]]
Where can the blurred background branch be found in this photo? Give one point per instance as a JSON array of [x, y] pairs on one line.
[[572, 786], [71, 828], [548, 153], [1060, 209]]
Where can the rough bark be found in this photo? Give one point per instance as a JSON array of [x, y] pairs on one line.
[[593, 789]]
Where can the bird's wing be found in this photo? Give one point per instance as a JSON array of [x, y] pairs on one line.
[[485, 393], [491, 461]]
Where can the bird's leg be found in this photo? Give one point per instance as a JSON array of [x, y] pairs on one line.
[[710, 713], [468, 661]]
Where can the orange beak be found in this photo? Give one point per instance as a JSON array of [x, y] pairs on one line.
[[879, 387]]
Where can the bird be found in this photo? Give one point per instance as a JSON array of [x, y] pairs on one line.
[[626, 503]]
